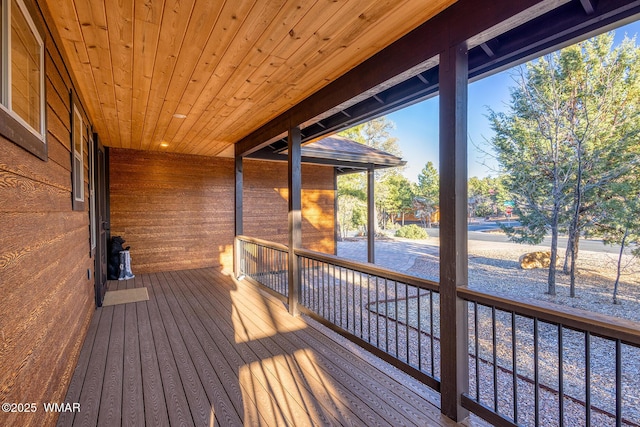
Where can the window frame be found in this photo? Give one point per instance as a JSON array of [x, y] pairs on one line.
[[12, 126], [92, 193], [77, 158]]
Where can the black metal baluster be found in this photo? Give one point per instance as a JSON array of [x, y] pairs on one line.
[[377, 313], [303, 278], [406, 318], [514, 359], [419, 321], [353, 300], [247, 261], [278, 262], [319, 281], [477, 348], [397, 322], [369, 306], [267, 267], [495, 358], [386, 315], [361, 306], [284, 278], [333, 304], [560, 377], [587, 377], [536, 373], [618, 383], [432, 343], [273, 270], [340, 295], [310, 282], [325, 288]]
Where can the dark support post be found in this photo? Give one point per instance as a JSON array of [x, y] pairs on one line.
[[336, 225], [453, 230], [295, 216], [238, 215], [371, 219]]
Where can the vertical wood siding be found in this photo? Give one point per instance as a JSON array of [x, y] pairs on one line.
[[46, 297], [177, 211]]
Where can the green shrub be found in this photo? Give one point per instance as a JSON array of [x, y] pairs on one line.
[[412, 231]]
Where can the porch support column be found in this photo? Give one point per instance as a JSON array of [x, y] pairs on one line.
[[295, 215], [238, 214], [371, 212], [453, 230], [336, 228]]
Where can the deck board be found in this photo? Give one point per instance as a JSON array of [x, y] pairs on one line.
[[110, 412], [155, 406], [206, 350], [132, 395], [175, 396], [78, 379]]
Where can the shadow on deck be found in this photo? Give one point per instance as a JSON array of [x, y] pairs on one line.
[[205, 350]]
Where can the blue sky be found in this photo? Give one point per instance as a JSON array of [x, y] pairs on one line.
[[417, 125]]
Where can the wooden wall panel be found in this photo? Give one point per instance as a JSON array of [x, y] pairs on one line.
[[47, 296], [177, 211]]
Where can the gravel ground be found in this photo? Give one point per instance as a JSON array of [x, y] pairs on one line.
[[493, 267]]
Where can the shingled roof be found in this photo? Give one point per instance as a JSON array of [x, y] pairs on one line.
[[343, 153]]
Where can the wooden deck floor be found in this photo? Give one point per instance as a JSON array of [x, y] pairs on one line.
[[205, 351]]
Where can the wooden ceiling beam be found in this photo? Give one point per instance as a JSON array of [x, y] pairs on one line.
[[541, 36], [589, 6]]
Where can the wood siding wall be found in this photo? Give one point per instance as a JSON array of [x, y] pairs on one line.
[[46, 296], [174, 210], [177, 211]]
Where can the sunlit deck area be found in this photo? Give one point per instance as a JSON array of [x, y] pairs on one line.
[[204, 350]]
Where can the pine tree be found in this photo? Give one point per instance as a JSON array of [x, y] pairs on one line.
[[568, 135]]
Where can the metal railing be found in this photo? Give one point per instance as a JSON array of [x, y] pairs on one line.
[[530, 363], [540, 365], [265, 263], [391, 314]]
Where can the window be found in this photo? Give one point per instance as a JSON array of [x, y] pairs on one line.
[[22, 97], [77, 158]]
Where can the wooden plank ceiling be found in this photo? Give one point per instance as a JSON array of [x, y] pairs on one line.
[[228, 66]]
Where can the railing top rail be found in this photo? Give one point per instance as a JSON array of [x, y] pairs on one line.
[[595, 323], [370, 269], [266, 243]]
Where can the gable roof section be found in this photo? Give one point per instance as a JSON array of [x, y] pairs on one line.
[[342, 149], [342, 153]]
